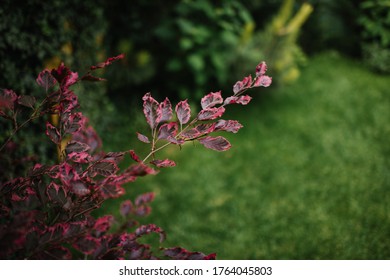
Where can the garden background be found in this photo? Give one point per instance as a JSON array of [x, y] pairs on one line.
[[308, 176]]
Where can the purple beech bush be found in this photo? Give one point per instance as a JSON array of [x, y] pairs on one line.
[[47, 213]]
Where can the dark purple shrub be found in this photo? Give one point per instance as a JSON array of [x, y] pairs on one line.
[[46, 214]]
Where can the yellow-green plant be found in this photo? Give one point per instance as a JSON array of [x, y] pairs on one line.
[[278, 42]]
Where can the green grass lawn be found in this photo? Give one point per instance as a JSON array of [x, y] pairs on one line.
[[308, 176]]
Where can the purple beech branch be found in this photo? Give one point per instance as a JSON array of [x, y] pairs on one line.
[[156, 150], [154, 142], [176, 137]]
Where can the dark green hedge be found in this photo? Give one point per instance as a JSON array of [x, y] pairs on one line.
[[35, 32], [38, 34]]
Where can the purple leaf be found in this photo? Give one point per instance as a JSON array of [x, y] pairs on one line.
[[261, 68], [211, 113], [115, 156], [68, 176], [183, 112], [168, 130], [143, 138], [243, 100], [241, 85], [144, 198], [103, 224], [90, 78], [57, 193], [74, 123], [38, 170], [87, 244], [247, 81], [79, 188], [205, 128], [75, 146], [211, 99], [111, 190], [105, 167], [135, 251], [199, 130], [229, 126], [134, 156], [88, 135], [191, 133], [27, 100], [60, 170], [71, 79], [60, 73], [46, 80], [53, 133], [218, 143], [151, 112], [165, 110], [74, 229], [146, 229], [140, 169], [163, 163], [263, 81], [237, 87], [69, 103], [7, 99], [126, 208], [64, 76], [143, 210], [107, 62], [118, 179], [79, 157]]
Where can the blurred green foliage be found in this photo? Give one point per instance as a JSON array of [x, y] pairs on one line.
[[359, 29], [37, 34], [207, 36], [184, 47], [333, 25], [180, 49], [375, 20], [40, 34]]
